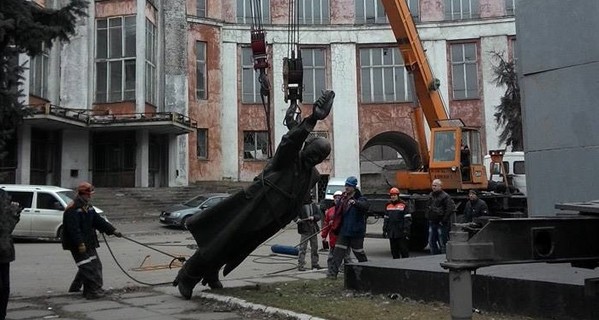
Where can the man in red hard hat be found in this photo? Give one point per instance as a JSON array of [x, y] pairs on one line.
[[80, 222], [396, 225]]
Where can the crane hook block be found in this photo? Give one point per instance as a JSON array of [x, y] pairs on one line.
[[259, 49], [293, 78]]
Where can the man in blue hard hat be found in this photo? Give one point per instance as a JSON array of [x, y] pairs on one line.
[[349, 225]]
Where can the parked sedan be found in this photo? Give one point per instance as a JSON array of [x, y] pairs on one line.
[[179, 213]]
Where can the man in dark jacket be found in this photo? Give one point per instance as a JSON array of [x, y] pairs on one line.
[[439, 209], [228, 232], [9, 217], [475, 207], [397, 224], [307, 227], [80, 222], [352, 211]]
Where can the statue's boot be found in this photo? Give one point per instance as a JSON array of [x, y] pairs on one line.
[[185, 282]]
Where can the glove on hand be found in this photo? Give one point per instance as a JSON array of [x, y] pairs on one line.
[[322, 106], [82, 248], [117, 234]]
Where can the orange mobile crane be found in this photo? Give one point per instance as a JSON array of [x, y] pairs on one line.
[[455, 153]]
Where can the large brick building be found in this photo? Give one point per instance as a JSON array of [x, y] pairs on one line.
[[163, 93]]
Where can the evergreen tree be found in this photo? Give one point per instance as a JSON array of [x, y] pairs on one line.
[[508, 114], [26, 27]]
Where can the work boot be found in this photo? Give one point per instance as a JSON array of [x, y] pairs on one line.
[[301, 269], [94, 295], [75, 287], [316, 267]]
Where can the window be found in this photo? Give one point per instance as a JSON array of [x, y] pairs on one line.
[[461, 9], [202, 143], [250, 86], [115, 59], [48, 201], [24, 198], [372, 11], [255, 145], [464, 71], [201, 8], [201, 70], [519, 167], [150, 63], [314, 73], [414, 9], [313, 11], [513, 52], [245, 11], [444, 146], [38, 74], [383, 76], [510, 7]]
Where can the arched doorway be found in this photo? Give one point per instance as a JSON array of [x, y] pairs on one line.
[[383, 155]]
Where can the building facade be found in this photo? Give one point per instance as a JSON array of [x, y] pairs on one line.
[[194, 63]]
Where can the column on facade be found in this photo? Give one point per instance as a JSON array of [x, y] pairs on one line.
[[140, 56], [142, 156], [279, 107], [229, 117], [23, 154], [75, 160], [175, 83], [346, 126]]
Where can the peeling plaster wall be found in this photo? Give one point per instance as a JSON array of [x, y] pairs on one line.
[[432, 10], [76, 85], [206, 112], [491, 8]]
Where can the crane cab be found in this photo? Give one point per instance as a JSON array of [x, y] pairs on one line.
[[456, 158]]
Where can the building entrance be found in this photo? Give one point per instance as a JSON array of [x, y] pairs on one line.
[[113, 159]]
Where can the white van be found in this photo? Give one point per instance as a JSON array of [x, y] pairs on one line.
[[514, 166], [43, 207], [334, 185]]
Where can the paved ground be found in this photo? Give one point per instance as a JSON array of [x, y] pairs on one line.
[[42, 273]]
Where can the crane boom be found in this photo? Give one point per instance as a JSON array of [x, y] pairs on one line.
[[415, 60]]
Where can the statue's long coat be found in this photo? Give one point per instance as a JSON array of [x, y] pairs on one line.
[[228, 232]]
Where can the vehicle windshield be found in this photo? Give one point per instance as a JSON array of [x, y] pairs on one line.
[[67, 196], [195, 202], [333, 189]]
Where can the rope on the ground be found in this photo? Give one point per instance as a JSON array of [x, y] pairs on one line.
[[131, 277]]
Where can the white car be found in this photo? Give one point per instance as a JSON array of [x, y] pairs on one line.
[[43, 207]]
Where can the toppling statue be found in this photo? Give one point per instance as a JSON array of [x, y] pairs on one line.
[[231, 230]]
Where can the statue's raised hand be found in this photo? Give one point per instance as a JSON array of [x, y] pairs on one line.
[[322, 106]]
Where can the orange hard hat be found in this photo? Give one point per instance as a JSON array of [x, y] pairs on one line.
[[85, 188], [394, 190]]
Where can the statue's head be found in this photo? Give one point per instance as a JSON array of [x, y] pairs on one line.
[[315, 151]]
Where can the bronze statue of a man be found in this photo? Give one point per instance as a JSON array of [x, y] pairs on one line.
[[228, 232]]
